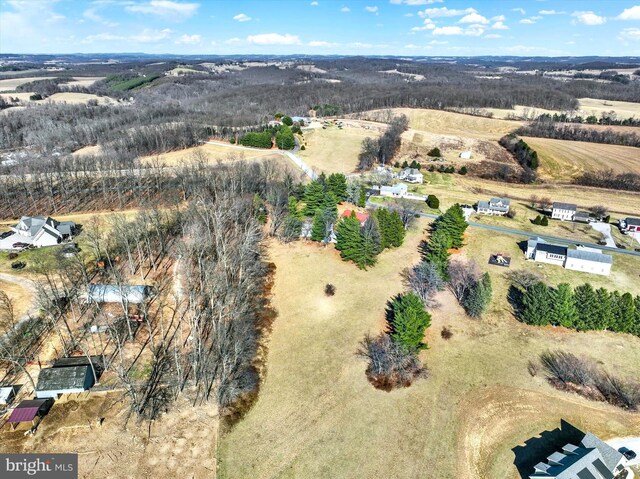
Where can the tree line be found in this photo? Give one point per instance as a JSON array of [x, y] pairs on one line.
[[549, 129], [382, 150], [526, 156]]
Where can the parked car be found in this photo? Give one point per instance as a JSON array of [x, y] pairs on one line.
[[18, 265], [20, 245], [6, 234], [628, 454]]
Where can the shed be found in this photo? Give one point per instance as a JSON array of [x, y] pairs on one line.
[[7, 394], [97, 362], [465, 155], [30, 411], [53, 382]]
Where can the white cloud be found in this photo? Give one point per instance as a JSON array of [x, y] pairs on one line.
[[473, 30], [150, 36], [415, 2], [412, 46], [521, 11], [102, 37], [314, 4], [499, 26], [165, 8], [428, 25], [493, 35], [632, 13], [408, 14], [233, 41], [588, 18], [437, 42], [318, 43], [499, 18], [571, 42], [528, 21], [473, 18], [345, 9], [241, 17], [445, 12], [189, 40], [90, 14], [274, 39], [630, 34], [371, 9], [551, 12]]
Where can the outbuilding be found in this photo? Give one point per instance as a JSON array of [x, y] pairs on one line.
[[7, 394], [53, 382], [31, 411]]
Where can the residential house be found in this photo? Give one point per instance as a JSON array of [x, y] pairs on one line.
[[563, 211], [108, 293], [495, 206], [582, 217], [630, 225], [411, 175], [362, 217], [52, 382], [398, 190], [590, 459], [588, 260], [40, 231]]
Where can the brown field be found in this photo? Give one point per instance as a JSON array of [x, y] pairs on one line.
[[318, 416], [334, 150], [11, 84], [77, 98], [21, 298], [213, 154], [449, 123], [563, 160], [83, 81], [624, 109]]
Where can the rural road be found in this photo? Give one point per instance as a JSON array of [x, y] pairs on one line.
[[529, 234], [632, 443]]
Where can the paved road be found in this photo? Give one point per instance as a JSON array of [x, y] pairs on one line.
[[529, 234]]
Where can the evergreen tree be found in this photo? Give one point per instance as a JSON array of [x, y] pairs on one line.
[[453, 222], [313, 198], [437, 251], [382, 215], [587, 304], [370, 246], [536, 220], [624, 311], [433, 202], [477, 300], [322, 224], [330, 202], [409, 320], [293, 209], [636, 327], [396, 230], [348, 238], [337, 184], [603, 316], [544, 221], [291, 229], [362, 199], [536, 305], [564, 311]]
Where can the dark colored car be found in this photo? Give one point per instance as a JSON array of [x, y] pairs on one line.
[[6, 234], [628, 454], [19, 245]]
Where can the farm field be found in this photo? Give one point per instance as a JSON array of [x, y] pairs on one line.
[[624, 109], [562, 160], [212, 153], [318, 416], [11, 84], [334, 150], [77, 98], [83, 81]]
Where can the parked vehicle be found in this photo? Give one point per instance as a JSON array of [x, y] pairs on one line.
[[628, 454], [6, 234], [20, 245], [18, 265]]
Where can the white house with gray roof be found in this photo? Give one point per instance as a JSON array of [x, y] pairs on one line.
[[398, 190], [590, 459], [563, 211], [411, 175], [495, 206], [39, 231], [580, 258]]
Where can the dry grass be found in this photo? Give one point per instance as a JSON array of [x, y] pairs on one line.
[[457, 124], [78, 98], [334, 150], [21, 299], [624, 109], [317, 415], [213, 154], [83, 81], [562, 160], [11, 84]]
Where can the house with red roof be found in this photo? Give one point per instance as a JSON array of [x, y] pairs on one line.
[[362, 217]]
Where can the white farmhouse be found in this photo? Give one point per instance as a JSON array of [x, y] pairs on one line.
[[563, 211], [39, 231], [495, 206], [397, 190], [587, 260], [411, 175]]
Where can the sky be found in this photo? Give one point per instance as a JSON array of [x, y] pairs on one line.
[[346, 27]]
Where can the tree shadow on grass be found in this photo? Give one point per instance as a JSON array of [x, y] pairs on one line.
[[537, 449]]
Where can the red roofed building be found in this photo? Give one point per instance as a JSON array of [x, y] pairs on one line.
[[362, 217]]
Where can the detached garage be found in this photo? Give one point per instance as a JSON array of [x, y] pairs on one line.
[[53, 382]]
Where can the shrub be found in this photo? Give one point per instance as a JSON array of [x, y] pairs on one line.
[[232, 140], [446, 333], [302, 148], [434, 152], [433, 202], [544, 221], [329, 289], [463, 170], [12, 255], [408, 320], [536, 220], [512, 212]]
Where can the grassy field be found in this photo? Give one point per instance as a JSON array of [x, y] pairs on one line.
[[334, 150], [78, 98], [449, 123], [562, 160], [11, 84], [213, 154], [624, 109], [317, 415], [21, 299]]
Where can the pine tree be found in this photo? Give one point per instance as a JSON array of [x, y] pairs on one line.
[[370, 248], [409, 320], [586, 302], [433, 202], [382, 215], [337, 184], [293, 209], [437, 251], [544, 221], [603, 317], [362, 199], [477, 300], [318, 232], [313, 198], [330, 202], [624, 312], [453, 222], [636, 328], [564, 311], [396, 230], [348, 238], [536, 305], [291, 229]]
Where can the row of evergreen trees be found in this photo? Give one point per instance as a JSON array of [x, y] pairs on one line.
[[583, 308], [361, 243], [281, 134], [447, 233]]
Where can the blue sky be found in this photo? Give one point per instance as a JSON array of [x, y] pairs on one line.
[[357, 27]]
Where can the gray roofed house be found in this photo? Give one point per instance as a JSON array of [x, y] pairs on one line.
[[588, 260], [589, 255], [40, 231], [110, 293], [495, 206], [563, 211], [55, 381], [582, 217], [591, 459]]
